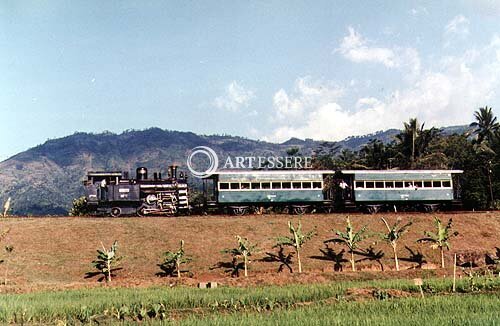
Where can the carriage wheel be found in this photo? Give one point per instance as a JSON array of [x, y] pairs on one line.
[[239, 211], [116, 211], [373, 209], [431, 208], [299, 210]]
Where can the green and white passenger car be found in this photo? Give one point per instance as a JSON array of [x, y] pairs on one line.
[[429, 189], [243, 191]]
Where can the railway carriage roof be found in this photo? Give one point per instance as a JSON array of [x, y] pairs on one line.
[[401, 171], [266, 172], [401, 174], [270, 175]]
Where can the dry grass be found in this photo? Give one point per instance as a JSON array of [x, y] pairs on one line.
[[56, 252]]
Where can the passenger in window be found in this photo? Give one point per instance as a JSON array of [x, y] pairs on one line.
[[411, 186]]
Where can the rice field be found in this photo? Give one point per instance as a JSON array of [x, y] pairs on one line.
[[437, 310], [373, 302]]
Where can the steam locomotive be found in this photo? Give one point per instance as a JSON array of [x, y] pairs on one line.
[[114, 193], [295, 191]]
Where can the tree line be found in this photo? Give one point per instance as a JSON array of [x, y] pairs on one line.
[[476, 152]]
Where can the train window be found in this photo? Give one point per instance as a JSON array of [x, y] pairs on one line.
[[255, 185], [427, 184], [418, 184], [398, 184], [296, 185], [235, 186], [276, 185], [317, 185], [286, 185], [379, 184], [223, 185], [245, 185], [447, 184], [266, 185], [360, 184], [370, 184], [306, 185], [389, 184], [436, 184]]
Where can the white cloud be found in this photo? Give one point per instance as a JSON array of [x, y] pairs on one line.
[[418, 11], [234, 98], [457, 28], [356, 48], [444, 96], [306, 94]]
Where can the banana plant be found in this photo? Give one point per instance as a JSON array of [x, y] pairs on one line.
[[440, 239], [296, 240], [174, 260], [244, 249], [107, 261], [350, 238], [6, 207], [394, 233]]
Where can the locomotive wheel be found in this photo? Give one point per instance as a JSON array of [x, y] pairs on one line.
[[116, 211], [141, 211]]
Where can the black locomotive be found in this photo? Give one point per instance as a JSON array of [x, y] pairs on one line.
[[114, 193]]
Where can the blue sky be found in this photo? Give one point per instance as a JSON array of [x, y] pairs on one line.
[[265, 69]]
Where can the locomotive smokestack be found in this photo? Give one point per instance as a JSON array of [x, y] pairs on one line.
[[172, 171], [141, 173]]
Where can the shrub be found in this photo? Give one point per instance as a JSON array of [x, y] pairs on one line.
[[79, 207]]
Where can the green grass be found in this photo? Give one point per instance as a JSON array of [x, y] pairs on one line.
[[154, 304], [481, 309]]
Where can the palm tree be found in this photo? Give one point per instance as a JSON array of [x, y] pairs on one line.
[[486, 125], [414, 140], [374, 154], [487, 131]]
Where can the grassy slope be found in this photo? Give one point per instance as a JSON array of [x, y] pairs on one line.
[[53, 252]]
